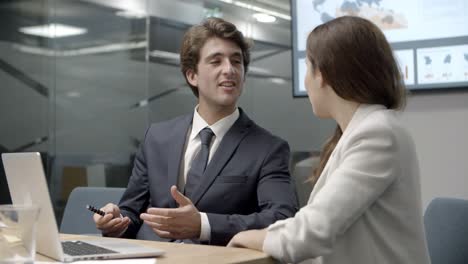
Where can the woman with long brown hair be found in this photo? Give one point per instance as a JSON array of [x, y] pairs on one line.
[[365, 206]]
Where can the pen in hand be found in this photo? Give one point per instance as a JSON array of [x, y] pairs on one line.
[[95, 210]]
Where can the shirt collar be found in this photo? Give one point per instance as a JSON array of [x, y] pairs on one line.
[[219, 128]]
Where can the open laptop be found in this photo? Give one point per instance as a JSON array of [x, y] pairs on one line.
[[27, 184]]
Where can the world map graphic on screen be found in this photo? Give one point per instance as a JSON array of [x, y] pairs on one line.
[[429, 37]]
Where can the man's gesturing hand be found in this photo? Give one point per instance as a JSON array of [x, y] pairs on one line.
[[179, 223]]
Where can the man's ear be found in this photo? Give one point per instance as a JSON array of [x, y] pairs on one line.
[[192, 77]]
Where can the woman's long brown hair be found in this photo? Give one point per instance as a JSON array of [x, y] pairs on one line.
[[356, 60]]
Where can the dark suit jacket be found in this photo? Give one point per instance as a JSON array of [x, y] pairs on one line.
[[246, 185]]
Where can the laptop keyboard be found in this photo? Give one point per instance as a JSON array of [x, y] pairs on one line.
[[80, 248]]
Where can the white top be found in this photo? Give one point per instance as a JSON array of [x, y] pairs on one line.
[[193, 146], [366, 206]]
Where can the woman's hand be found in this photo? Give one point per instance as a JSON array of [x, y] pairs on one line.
[[252, 239]]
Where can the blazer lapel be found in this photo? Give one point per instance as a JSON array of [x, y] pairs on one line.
[[223, 154], [174, 158]]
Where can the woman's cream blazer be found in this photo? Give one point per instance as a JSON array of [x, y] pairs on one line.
[[366, 206]]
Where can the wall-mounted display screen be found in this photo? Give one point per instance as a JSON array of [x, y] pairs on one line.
[[429, 37]]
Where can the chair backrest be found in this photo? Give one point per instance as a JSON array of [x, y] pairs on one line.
[[76, 218], [446, 224], [301, 173]]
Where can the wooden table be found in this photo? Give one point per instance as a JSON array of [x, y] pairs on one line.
[[188, 253]]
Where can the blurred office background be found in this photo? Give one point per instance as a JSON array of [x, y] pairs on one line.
[[84, 91]]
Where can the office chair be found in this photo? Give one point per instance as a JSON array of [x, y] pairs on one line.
[[76, 218], [301, 173], [446, 224]]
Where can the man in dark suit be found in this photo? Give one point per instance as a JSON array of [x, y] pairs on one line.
[[233, 174]]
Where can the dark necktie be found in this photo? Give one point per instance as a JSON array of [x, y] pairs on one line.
[[199, 162]]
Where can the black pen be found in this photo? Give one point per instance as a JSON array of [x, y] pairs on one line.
[[95, 210]]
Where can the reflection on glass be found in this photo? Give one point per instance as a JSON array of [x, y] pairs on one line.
[[83, 87]]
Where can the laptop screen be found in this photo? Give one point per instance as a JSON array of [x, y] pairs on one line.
[[27, 184]]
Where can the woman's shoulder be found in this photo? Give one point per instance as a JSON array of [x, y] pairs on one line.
[[382, 124], [383, 121], [376, 122]]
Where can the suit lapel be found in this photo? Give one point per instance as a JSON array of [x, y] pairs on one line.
[[223, 154], [177, 142]]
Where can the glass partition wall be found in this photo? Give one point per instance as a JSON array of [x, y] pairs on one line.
[[82, 80]]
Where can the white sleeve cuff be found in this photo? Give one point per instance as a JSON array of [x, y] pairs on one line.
[[272, 244], [205, 229]]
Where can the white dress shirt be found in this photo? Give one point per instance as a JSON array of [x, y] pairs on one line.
[[193, 146]]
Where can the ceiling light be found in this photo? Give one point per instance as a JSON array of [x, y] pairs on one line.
[[131, 14], [258, 70], [257, 9], [83, 51], [277, 80], [264, 18], [165, 55], [73, 94], [53, 30]]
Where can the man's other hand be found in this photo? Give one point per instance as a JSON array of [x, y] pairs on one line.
[[179, 223]]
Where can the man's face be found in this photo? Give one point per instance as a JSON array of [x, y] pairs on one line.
[[220, 75]]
